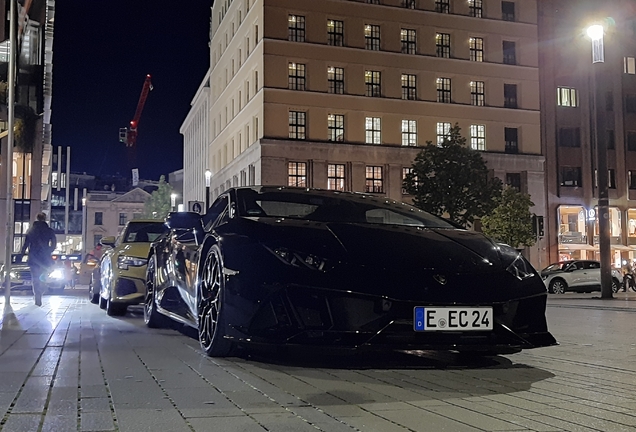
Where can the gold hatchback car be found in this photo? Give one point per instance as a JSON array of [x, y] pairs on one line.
[[123, 265]]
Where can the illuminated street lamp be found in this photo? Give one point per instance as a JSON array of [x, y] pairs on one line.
[[173, 200], [208, 176], [596, 33]]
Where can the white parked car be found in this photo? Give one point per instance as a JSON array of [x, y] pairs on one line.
[[578, 276]]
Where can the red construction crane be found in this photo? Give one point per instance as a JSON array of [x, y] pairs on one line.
[[129, 135]]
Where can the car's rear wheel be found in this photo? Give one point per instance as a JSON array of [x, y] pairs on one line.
[[152, 317], [212, 314], [102, 302], [558, 286], [93, 296], [616, 286]]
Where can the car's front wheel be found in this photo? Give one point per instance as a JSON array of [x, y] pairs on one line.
[[93, 296], [616, 286], [211, 313], [558, 286], [152, 317]]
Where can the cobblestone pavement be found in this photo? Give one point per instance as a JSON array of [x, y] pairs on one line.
[[68, 367]]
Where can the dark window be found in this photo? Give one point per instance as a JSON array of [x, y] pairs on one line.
[[630, 103], [336, 177], [477, 93], [335, 76], [571, 176], [99, 218], [335, 32], [514, 180], [407, 36], [122, 219], [631, 141], [611, 140], [296, 28], [372, 37], [609, 101], [374, 183], [476, 49], [631, 179], [443, 45], [507, 11], [510, 95], [297, 174], [444, 90], [442, 6], [409, 4], [296, 76], [509, 52], [475, 8], [570, 137], [372, 80], [297, 124], [512, 140], [335, 124], [409, 90], [373, 1]]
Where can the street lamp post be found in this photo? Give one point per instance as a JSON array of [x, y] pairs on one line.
[[83, 251], [173, 201], [596, 34], [208, 176]]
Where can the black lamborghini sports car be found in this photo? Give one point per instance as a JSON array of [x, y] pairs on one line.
[[276, 265]]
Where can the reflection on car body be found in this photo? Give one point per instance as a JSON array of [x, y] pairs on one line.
[[577, 276], [321, 268]]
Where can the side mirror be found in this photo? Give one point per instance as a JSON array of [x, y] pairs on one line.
[[108, 241]]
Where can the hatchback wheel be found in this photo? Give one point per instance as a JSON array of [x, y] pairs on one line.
[[558, 286], [152, 317]]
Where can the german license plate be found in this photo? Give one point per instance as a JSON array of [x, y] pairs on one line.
[[452, 318]]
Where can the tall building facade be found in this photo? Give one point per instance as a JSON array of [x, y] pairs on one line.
[[570, 126], [32, 152], [342, 94]]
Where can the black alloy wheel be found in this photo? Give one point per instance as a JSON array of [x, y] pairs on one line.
[[93, 297], [152, 317], [212, 319], [558, 286], [616, 287]]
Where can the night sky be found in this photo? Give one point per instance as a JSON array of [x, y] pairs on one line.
[[102, 51]]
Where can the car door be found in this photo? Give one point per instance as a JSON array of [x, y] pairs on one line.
[[592, 273], [575, 274]]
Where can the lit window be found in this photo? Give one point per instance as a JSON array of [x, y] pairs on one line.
[[477, 93], [336, 177], [407, 37], [297, 125], [409, 132], [335, 32], [296, 28], [296, 76], [372, 81], [567, 97], [476, 49], [444, 90], [297, 174], [630, 65], [443, 45], [373, 130], [475, 8], [372, 37], [443, 132], [374, 181], [335, 124], [478, 137], [335, 77], [409, 90]]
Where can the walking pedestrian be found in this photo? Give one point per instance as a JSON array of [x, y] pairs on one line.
[[40, 241]]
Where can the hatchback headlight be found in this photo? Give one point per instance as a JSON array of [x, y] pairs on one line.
[[123, 262], [57, 274]]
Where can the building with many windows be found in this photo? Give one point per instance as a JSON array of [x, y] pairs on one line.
[[570, 123], [341, 94]]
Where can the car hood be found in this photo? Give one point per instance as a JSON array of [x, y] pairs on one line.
[[383, 246]]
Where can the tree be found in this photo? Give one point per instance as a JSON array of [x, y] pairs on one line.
[[159, 204], [452, 180], [511, 222]]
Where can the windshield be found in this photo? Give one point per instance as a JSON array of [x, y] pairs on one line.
[[143, 232], [557, 266], [343, 208]]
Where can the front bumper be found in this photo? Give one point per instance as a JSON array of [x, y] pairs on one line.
[[128, 290], [322, 317]]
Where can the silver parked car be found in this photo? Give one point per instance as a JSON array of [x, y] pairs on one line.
[[578, 276]]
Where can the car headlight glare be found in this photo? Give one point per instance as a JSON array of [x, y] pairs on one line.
[[57, 274], [123, 262], [521, 268], [299, 259]]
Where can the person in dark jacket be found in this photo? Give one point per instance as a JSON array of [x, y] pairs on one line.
[[40, 242]]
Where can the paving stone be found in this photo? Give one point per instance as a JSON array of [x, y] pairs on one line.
[[22, 423], [145, 420], [241, 423], [96, 421]]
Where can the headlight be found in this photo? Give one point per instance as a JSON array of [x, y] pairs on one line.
[[299, 259], [521, 268], [123, 262], [13, 275], [57, 274]]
